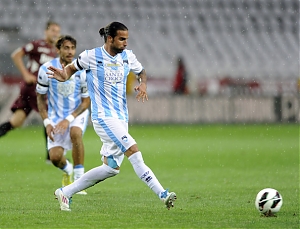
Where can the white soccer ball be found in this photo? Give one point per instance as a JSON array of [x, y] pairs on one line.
[[268, 201]]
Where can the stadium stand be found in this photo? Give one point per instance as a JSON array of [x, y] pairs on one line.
[[218, 38], [226, 43]]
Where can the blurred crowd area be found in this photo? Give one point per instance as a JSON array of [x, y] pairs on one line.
[[229, 47]]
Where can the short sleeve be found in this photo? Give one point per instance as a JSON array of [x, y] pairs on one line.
[[42, 85], [134, 65], [83, 84], [82, 62], [28, 48]]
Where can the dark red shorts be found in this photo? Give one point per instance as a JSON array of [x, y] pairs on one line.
[[26, 99]]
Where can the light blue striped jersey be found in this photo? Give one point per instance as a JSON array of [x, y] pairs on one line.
[[63, 97], [106, 78]]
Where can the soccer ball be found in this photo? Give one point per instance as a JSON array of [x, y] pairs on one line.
[[268, 201]]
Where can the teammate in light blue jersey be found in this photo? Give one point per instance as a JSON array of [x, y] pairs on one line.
[[67, 115], [107, 69]]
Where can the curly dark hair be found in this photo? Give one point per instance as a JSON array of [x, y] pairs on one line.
[[62, 39]]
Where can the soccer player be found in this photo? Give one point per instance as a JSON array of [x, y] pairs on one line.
[[107, 69], [38, 53], [67, 115]]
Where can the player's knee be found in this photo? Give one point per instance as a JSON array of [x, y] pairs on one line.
[[76, 134], [18, 118], [110, 161], [132, 150], [56, 156], [55, 161], [111, 171]]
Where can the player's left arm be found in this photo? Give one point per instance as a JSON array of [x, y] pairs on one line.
[[137, 68], [62, 126], [142, 87], [42, 105], [42, 88], [85, 99], [85, 104]]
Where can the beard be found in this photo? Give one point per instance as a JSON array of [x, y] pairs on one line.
[[117, 50]]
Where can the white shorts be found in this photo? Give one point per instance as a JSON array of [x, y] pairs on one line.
[[64, 140], [115, 138]]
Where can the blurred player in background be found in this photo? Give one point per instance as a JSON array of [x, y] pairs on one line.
[[181, 78], [107, 70], [38, 53], [67, 114]]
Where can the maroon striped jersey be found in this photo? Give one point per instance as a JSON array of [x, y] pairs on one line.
[[38, 52]]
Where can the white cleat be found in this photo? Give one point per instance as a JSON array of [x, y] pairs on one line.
[[63, 200], [168, 198]]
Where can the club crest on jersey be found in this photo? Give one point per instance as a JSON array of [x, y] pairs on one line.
[[124, 138], [66, 89]]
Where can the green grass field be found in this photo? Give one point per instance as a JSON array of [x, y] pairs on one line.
[[216, 171]]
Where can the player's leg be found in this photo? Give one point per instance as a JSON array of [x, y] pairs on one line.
[[30, 103], [88, 179], [77, 154], [17, 119], [5, 127], [57, 151], [48, 161], [77, 129], [99, 173], [77, 151], [58, 159], [20, 108], [148, 177]]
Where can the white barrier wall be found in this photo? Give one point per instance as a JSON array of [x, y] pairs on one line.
[[195, 109]]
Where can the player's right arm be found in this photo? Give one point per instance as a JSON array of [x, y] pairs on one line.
[[62, 74], [42, 107], [82, 62], [17, 57], [42, 88]]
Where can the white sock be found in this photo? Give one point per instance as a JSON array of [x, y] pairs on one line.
[[145, 173], [78, 171], [68, 168], [89, 179]]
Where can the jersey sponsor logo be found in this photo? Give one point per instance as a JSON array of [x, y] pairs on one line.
[[113, 65], [43, 50], [114, 77], [66, 89]]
